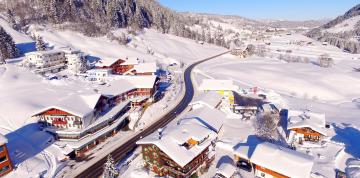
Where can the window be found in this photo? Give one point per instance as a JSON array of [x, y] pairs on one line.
[[2, 148], [3, 159], [4, 169]]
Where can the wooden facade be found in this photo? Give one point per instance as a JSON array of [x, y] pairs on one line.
[[161, 164], [59, 118], [267, 173], [308, 134], [119, 68], [5, 162]]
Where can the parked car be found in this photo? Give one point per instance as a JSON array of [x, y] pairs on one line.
[[244, 165]]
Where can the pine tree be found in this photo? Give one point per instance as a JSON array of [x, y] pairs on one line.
[[40, 44], [53, 10], [11, 19], [8, 48], [110, 171]]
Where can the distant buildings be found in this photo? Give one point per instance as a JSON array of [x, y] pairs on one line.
[[45, 61], [5, 162], [130, 66], [55, 60]]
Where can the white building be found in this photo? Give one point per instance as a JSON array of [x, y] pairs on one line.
[[75, 59], [46, 61], [223, 87], [73, 112], [98, 75]]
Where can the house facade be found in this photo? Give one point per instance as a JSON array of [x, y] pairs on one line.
[[5, 162], [76, 62], [305, 126], [46, 61], [61, 119], [123, 66], [98, 75], [160, 163]]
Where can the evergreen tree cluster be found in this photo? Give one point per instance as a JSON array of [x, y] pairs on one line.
[[98, 17], [344, 39], [8, 49]]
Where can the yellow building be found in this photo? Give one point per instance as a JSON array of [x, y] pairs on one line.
[[224, 87]]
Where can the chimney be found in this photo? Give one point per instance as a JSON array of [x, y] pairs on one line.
[[160, 133]]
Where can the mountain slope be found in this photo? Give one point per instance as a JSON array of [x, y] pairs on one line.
[[343, 32], [92, 17]]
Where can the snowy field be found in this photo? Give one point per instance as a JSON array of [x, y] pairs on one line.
[[164, 48]]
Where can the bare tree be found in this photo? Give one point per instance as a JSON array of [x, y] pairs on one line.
[[250, 49], [266, 126]]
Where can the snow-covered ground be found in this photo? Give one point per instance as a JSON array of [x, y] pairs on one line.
[[333, 91], [346, 25], [33, 151]]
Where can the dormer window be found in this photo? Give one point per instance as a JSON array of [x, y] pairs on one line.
[[190, 143]]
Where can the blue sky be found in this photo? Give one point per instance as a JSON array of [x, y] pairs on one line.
[[266, 9]]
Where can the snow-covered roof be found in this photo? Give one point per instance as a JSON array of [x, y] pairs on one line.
[[268, 107], [131, 61], [27, 93], [145, 67], [301, 119], [147, 81], [44, 52], [214, 84], [243, 152], [115, 87], [98, 70], [226, 169], [210, 99], [282, 160], [106, 62], [79, 105], [173, 136], [211, 118], [69, 50], [3, 140]]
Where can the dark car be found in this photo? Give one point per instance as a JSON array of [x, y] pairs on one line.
[[244, 165]]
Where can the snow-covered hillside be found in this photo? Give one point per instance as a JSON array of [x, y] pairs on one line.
[[345, 26]]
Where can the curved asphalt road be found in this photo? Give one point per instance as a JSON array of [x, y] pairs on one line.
[[96, 169]]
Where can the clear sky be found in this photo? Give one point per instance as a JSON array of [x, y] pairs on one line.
[[266, 9]]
